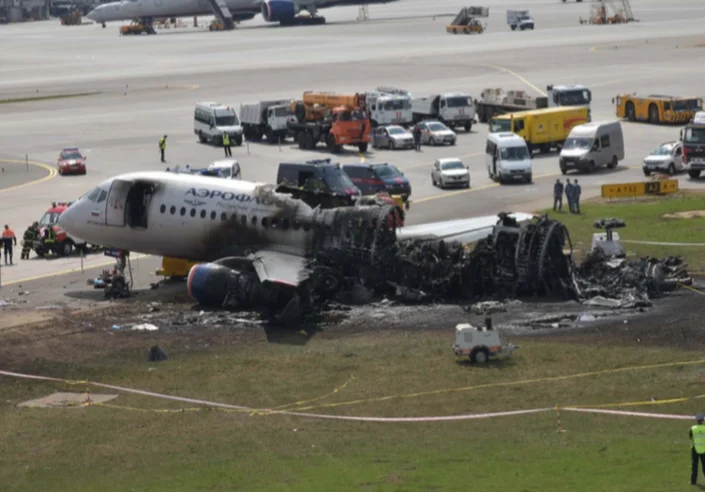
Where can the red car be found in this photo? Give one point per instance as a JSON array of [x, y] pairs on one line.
[[71, 161]]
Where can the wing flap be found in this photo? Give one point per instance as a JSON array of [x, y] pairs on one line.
[[462, 230], [280, 268]]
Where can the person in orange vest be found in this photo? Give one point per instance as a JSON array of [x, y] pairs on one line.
[[8, 237]]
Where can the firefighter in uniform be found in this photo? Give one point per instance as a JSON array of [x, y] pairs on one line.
[[30, 235], [697, 439], [226, 145], [162, 146], [8, 238], [49, 239]]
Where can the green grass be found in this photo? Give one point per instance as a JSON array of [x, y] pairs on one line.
[[45, 98], [645, 222], [102, 448]]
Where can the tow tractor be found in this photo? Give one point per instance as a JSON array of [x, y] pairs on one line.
[[138, 26], [480, 343]]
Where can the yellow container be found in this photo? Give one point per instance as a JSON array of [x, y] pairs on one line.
[[175, 267]]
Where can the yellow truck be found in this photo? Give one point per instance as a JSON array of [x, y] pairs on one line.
[[657, 109], [175, 268], [542, 129]]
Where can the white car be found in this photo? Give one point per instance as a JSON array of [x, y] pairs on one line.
[[392, 137], [436, 133], [667, 157], [450, 172]]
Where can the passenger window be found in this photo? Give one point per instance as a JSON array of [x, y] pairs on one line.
[[213, 215], [193, 212], [518, 125], [223, 216], [243, 220], [254, 221], [667, 106], [183, 211], [605, 141], [103, 196], [162, 209], [172, 210], [203, 214], [679, 151]]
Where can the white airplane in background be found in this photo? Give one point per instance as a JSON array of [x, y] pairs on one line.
[[282, 11], [254, 241]]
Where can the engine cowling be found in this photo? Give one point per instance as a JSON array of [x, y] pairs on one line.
[[208, 284], [278, 10]]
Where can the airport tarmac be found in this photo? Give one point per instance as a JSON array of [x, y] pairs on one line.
[[144, 87]]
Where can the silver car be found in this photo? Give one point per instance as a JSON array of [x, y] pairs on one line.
[[436, 133], [667, 157], [392, 137], [450, 172]]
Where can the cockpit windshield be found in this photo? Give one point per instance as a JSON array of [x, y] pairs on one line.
[[49, 218]]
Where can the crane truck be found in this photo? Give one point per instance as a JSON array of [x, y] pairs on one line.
[[452, 108], [334, 119], [266, 118]]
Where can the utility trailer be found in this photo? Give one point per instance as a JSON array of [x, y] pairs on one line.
[[496, 101], [466, 23], [266, 118]]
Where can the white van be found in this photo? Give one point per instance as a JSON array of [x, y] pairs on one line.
[[212, 119], [507, 158], [592, 145]]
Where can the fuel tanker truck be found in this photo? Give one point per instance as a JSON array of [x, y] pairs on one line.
[[333, 119]]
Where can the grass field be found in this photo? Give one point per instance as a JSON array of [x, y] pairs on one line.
[[645, 222], [146, 444], [102, 448]]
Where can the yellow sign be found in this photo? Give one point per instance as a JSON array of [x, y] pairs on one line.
[[622, 190]]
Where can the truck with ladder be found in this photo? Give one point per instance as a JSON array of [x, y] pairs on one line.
[[334, 119], [466, 21], [609, 12]]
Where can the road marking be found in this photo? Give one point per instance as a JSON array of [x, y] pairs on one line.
[[491, 185], [514, 74], [66, 272], [52, 173], [429, 164]]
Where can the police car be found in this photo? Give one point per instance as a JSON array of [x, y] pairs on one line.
[[71, 161]]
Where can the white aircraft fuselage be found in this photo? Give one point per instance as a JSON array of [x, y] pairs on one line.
[[188, 216], [272, 10]]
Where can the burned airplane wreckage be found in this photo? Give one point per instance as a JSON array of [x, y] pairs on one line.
[[356, 249]]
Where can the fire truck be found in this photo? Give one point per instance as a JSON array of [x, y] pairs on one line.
[[65, 242]]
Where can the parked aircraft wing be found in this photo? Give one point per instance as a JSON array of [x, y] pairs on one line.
[[463, 230], [279, 268]]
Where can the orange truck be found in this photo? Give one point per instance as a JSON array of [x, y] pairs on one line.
[[334, 119]]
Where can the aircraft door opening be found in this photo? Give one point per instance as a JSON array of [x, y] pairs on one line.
[[138, 200], [116, 202]]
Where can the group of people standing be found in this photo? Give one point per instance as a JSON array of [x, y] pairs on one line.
[[9, 241], [572, 193]]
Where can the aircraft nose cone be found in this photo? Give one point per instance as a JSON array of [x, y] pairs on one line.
[[67, 220], [92, 15]]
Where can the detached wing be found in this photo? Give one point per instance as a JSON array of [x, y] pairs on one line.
[[462, 230], [279, 268]]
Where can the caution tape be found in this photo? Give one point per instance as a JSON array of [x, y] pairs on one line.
[[303, 402], [503, 384], [255, 411], [691, 288]]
